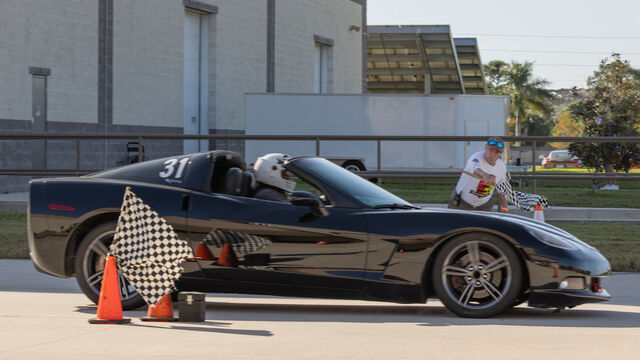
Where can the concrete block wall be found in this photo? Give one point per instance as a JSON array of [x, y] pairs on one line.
[[240, 64], [148, 50], [62, 35], [146, 91], [63, 154], [57, 34], [297, 21], [15, 154]]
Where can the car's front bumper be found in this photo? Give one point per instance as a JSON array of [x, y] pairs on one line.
[[553, 298]]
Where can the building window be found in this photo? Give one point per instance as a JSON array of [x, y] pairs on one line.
[[321, 69], [323, 65]]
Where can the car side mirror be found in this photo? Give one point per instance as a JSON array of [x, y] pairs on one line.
[[306, 198]]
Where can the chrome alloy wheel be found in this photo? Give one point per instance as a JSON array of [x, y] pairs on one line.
[[89, 266], [476, 274]]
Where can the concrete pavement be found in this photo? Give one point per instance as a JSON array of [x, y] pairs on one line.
[[46, 317], [14, 201]]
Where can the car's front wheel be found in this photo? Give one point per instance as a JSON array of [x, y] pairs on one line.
[[89, 266], [477, 275]]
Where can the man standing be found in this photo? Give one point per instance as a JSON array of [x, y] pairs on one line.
[[474, 192]]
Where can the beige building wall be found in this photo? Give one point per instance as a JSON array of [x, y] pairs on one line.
[[148, 61], [60, 35], [297, 21], [117, 66], [240, 60], [147, 56], [148, 38]]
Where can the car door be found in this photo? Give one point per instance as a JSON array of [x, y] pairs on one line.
[[277, 242]]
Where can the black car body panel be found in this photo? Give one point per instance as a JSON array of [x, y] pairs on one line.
[[357, 251]]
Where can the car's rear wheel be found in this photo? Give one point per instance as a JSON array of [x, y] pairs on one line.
[[89, 266], [477, 275]]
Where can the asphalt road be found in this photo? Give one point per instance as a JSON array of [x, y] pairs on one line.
[[42, 317]]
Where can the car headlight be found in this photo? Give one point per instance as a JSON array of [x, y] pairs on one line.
[[550, 239]]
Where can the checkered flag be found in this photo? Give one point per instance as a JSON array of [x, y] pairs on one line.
[[147, 249], [240, 242], [524, 201]]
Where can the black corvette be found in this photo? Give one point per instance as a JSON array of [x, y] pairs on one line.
[[346, 238]]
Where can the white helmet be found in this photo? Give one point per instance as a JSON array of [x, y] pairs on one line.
[[269, 170]]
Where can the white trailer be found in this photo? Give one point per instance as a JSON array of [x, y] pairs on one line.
[[376, 115]]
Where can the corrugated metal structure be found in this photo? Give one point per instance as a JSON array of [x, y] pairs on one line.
[[422, 59], [471, 66]]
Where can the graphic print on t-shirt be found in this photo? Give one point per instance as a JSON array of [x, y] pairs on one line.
[[482, 190]]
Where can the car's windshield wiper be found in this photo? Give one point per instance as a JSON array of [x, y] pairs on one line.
[[395, 206]]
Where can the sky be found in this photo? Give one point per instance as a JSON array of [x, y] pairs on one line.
[[566, 39]]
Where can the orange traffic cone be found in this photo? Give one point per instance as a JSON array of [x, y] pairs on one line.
[[109, 304], [538, 214], [228, 257], [203, 252], [161, 311]]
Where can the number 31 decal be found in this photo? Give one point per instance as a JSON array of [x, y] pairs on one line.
[[170, 167]]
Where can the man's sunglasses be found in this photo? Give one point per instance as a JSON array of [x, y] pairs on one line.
[[499, 144]]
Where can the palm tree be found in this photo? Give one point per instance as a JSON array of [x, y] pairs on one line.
[[528, 93]]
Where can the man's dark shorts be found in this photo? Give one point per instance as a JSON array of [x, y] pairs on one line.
[[463, 205]]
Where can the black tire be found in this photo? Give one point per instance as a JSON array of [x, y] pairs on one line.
[[354, 165], [477, 275], [89, 265]]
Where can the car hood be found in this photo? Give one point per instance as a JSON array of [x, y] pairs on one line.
[[519, 220]]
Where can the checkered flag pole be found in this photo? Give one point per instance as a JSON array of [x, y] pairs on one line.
[[147, 249], [522, 200]]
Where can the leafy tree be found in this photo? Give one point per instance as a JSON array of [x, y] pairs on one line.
[[527, 93], [496, 73], [537, 125], [599, 74], [613, 110], [529, 98], [566, 125]]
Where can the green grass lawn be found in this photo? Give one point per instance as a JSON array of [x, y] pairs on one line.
[[13, 236], [620, 243], [432, 191], [560, 192]]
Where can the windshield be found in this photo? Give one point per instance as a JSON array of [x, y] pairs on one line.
[[560, 155], [347, 182]]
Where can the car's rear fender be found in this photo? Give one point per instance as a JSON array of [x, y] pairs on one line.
[[67, 208], [84, 226]]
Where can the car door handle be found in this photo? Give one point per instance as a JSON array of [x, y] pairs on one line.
[[185, 202]]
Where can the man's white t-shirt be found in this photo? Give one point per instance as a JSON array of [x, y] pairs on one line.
[[475, 191]]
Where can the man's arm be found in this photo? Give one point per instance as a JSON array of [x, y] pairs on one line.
[[487, 178]]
